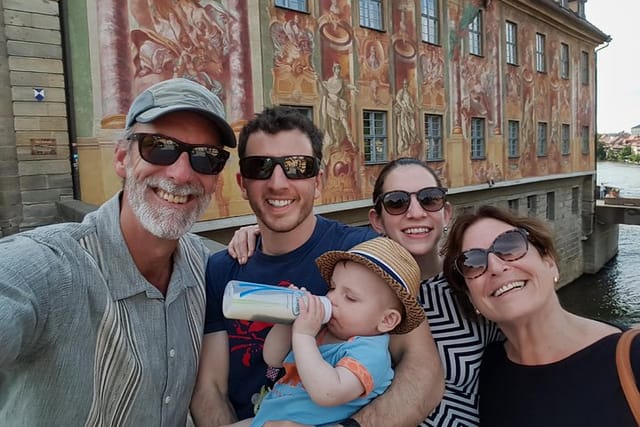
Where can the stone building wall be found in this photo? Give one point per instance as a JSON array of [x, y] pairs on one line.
[[35, 170]]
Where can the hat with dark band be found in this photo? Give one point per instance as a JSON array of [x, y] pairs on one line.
[[180, 94], [394, 264]]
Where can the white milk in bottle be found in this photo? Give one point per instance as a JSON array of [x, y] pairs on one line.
[[266, 303]]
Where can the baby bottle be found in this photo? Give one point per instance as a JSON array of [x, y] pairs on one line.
[[266, 303]]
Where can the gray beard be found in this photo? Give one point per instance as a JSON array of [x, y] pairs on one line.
[[162, 222]]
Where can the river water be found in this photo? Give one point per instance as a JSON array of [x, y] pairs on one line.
[[613, 293]]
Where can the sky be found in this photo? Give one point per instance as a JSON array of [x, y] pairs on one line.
[[618, 82]]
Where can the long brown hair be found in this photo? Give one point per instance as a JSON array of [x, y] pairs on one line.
[[540, 236]]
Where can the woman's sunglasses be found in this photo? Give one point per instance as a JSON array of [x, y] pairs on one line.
[[508, 246], [163, 151], [294, 167], [397, 202]]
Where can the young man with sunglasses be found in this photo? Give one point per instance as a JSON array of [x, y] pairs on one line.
[[280, 152], [101, 321]]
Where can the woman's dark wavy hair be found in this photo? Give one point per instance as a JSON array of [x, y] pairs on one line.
[[382, 176], [273, 120], [540, 237]]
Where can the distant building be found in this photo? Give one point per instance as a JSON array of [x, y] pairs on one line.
[[635, 131]]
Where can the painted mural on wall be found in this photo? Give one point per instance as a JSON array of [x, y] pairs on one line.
[[202, 40], [327, 61]]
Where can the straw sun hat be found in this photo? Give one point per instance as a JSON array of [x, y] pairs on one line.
[[394, 264]]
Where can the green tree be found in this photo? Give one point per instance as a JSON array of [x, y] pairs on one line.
[[601, 151]]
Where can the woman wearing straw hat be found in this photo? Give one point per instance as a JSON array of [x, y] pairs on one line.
[[342, 366]]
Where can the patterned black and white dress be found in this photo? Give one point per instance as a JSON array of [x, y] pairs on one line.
[[461, 343]]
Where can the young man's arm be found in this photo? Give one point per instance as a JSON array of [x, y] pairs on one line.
[[417, 387], [210, 406]]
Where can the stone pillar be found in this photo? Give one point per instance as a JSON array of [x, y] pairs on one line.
[[10, 200], [38, 113]]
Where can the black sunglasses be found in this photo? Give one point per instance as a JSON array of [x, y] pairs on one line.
[[163, 151], [294, 167], [508, 246], [397, 202]]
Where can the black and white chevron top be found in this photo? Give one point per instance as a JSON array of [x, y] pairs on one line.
[[461, 343]]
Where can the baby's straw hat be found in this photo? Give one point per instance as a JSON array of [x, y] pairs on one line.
[[394, 264]]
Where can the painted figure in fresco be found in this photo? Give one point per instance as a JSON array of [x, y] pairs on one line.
[[293, 44], [334, 109], [405, 114], [372, 60], [183, 38]]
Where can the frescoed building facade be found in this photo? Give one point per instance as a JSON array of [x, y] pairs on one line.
[[497, 95]]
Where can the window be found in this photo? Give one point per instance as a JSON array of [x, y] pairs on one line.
[[514, 205], [541, 65], [511, 37], [542, 139], [430, 21], [475, 35], [532, 206], [374, 128], [433, 136], [477, 138], [551, 205], [584, 136], [581, 8], [514, 138], [371, 14], [302, 109], [564, 60], [565, 146], [584, 68], [575, 200], [299, 5]]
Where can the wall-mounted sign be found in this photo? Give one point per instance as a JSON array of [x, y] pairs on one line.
[[38, 94], [43, 146]]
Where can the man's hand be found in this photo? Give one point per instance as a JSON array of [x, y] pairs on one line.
[[243, 243]]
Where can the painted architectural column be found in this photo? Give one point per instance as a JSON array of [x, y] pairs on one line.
[[115, 61]]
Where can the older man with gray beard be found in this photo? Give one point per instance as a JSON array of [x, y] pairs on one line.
[[101, 321]]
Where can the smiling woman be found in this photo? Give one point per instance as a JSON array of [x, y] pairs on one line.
[[504, 267]]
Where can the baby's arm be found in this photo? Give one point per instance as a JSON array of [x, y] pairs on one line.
[[326, 385], [277, 345]]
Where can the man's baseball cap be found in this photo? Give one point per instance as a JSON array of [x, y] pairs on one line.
[[180, 95]]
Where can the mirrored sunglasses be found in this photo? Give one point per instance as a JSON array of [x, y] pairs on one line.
[[397, 202], [294, 167], [508, 246], [162, 150]]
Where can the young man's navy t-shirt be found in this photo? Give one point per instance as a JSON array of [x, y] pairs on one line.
[[247, 370]]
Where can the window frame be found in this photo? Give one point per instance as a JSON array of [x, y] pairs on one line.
[[432, 140], [542, 139], [541, 58], [369, 120], [511, 42], [575, 200], [478, 141], [475, 35], [584, 138], [513, 138], [565, 65], [532, 205], [430, 21], [584, 67], [551, 206], [368, 9], [297, 5], [565, 139]]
